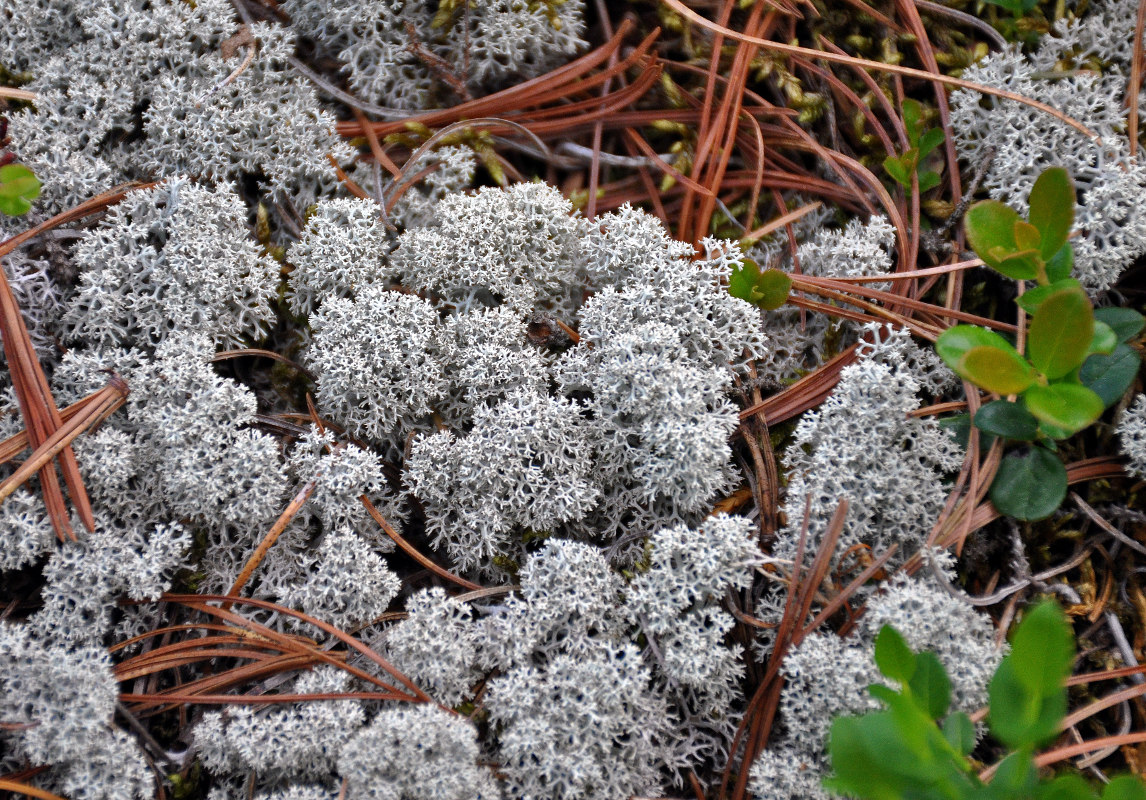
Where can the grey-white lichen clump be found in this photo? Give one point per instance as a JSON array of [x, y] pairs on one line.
[[1132, 434]]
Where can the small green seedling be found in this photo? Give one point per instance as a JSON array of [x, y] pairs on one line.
[[916, 749], [18, 188], [768, 289], [922, 144], [1077, 364]]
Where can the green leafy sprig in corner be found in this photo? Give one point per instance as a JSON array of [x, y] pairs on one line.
[[916, 750]]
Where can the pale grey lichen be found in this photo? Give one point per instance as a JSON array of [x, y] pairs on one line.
[[416, 752], [172, 259]]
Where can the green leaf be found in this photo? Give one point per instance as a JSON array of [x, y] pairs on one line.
[[1125, 322], [954, 342], [1026, 235], [742, 282], [1029, 486], [1125, 787], [899, 168], [1042, 649], [990, 227], [1060, 264], [1029, 301], [930, 686], [1104, 340], [1110, 376], [774, 286], [912, 115], [929, 141], [1052, 202], [1019, 718], [892, 655], [1015, 776], [1060, 333], [1023, 262], [768, 289], [1065, 787], [928, 180], [959, 731], [1007, 419], [855, 743], [1066, 406], [996, 369], [1027, 693]]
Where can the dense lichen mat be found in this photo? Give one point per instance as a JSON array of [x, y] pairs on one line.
[[440, 400]]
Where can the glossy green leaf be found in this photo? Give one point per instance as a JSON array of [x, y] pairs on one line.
[[1110, 376], [1125, 322], [892, 655], [1030, 300], [1104, 340], [1125, 787], [990, 227], [995, 369], [954, 342], [1051, 203], [1060, 264], [1030, 485], [930, 686], [959, 731], [1060, 333], [1007, 419], [1067, 406]]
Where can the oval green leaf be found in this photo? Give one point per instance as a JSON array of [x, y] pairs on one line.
[[990, 227], [1060, 334], [742, 282], [1125, 322], [954, 342], [1104, 340], [1030, 301], [930, 686], [959, 731], [1110, 376], [1125, 787], [1026, 236], [1066, 406], [1052, 209], [998, 370], [1060, 264], [892, 655], [773, 288], [1030, 485], [1011, 420]]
